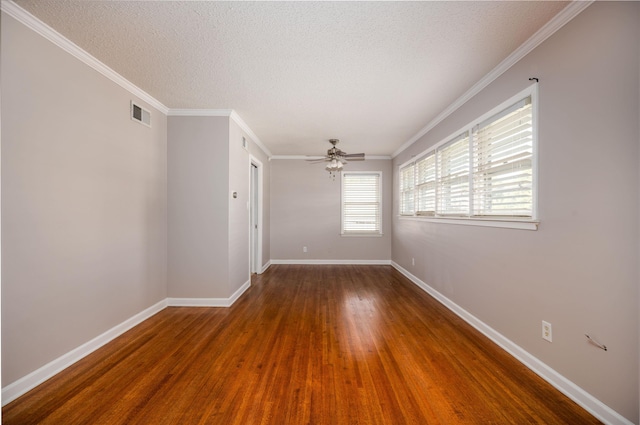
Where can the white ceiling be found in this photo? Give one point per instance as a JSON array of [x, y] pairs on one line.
[[299, 73]]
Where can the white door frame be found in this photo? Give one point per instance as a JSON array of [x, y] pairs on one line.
[[255, 201]]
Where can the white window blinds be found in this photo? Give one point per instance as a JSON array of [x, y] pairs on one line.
[[503, 163], [407, 190], [426, 185], [453, 177], [361, 203], [485, 173]]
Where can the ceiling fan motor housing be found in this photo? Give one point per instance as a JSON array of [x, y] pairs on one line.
[[334, 152]]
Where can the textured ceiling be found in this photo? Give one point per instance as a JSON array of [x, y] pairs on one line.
[[299, 73]]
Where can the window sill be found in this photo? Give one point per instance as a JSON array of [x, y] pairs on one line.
[[484, 222], [361, 235]]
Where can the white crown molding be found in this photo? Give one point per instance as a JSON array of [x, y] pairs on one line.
[[568, 388], [35, 24], [567, 14], [199, 112], [27, 19], [222, 113], [312, 157], [35, 378], [309, 157], [243, 125]]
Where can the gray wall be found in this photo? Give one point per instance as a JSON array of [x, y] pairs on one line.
[[198, 192], [85, 210], [239, 176], [579, 271], [305, 211], [208, 228], [84, 240], [239, 225]]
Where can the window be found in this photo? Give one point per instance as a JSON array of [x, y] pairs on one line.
[[503, 163], [486, 171], [426, 185], [361, 203], [407, 189], [453, 177]]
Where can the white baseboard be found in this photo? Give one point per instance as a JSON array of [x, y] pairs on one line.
[[209, 302], [234, 297], [32, 380], [35, 378], [352, 262], [591, 404], [571, 390], [266, 266]]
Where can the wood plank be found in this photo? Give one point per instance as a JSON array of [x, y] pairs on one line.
[[304, 345]]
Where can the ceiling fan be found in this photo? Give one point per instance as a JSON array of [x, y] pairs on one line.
[[336, 158]]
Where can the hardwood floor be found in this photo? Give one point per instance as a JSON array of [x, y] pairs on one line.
[[304, 345]]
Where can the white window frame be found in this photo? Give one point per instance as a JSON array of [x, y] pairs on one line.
[[423, 186], [513, 222], [457, 174], [352, 233], [407, 189]]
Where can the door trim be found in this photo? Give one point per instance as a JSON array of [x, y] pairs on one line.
[[255, 246]]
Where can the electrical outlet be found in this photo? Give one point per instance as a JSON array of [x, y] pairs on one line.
[[304, 249], [413, 261], [547, 332]]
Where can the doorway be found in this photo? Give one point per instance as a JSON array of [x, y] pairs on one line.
[[255, 213]]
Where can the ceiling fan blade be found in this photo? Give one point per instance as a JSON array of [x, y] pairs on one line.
[[336, 157], [354, 156]]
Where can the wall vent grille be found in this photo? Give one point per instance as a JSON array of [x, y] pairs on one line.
[[138, 113]]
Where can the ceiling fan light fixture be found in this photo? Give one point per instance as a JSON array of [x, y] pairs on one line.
[[334, 165], [337, 159]]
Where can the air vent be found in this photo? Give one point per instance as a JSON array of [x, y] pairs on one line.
[[138, 113]]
